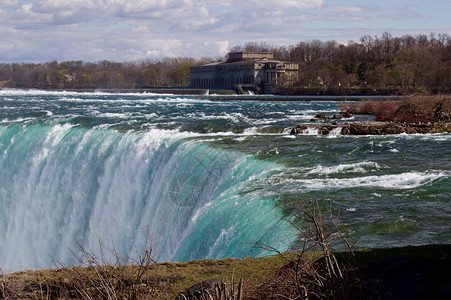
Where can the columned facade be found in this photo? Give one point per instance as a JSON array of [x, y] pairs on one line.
[[242, 68]]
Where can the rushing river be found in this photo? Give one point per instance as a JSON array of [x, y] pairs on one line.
[[202, 174]]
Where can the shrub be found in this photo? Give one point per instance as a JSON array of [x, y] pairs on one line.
[[103, 279], [363, 108], [324, 277], [386, 110], [410, 109]]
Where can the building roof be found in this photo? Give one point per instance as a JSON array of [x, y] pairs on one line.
[[236, 56], [246, 57]]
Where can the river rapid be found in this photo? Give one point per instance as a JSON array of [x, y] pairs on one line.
[[202, 174]]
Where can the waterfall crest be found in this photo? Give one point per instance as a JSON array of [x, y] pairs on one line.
[[63, 184]]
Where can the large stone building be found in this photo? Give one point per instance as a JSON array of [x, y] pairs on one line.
[[243, 70]]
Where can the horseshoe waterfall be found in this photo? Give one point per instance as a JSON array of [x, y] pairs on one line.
[[203, 175]]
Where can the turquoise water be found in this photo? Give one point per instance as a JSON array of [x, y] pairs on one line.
[[202, 175]]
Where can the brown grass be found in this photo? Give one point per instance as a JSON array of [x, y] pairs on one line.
[[263, 276], [306, 277], [159, 281], [410, 109]]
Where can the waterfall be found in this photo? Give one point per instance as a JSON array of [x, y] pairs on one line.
[[63, 184]]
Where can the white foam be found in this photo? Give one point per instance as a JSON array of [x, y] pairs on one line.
[[407, 180], [334, 133], [361, 167], [35, 92], [115, 115], [225, 235], [200, 211], [310, 131]]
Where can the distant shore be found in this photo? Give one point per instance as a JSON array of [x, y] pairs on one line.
[[416, 114], [383, 128]]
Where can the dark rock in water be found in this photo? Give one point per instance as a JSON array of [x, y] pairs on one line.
[[322, 117], [394, 128], [374, 129], [346, 114], [199, 290], [378, 128], [298, 129], [345, 130], [337, 117], [270, 130], [326, 129]]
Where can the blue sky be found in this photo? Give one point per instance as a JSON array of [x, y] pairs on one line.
[[124, 30]]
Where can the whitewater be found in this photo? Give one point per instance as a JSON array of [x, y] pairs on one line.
[[202, 175]]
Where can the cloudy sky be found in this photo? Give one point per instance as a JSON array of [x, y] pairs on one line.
[[125, 30]]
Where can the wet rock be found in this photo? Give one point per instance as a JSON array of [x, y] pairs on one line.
[[345, 130], [322, 117], [337, 117], [377, 128], [326, 129], [394, 128], [270, 130], [298, 129], [346, 115], [374, 129]]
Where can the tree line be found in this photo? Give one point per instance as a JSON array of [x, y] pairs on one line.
[[404, 64], [103, 74], [385, 63]]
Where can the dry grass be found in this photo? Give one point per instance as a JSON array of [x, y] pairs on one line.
[[214, 290], [159, 281], [410, 109], [110, 279], [306, 277], [269, 276]]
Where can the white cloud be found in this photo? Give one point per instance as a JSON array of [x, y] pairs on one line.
[[172, 10], [343, 8], [221, 48], [8, 2], [91, 30], [270, 4], [26, 14], [170, 13]]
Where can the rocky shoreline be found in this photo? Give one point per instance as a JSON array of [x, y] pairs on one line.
[[376, 128]]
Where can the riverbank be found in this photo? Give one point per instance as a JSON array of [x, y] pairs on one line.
[[397, 273], [341, 91], [416, 114], [373, 128]]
